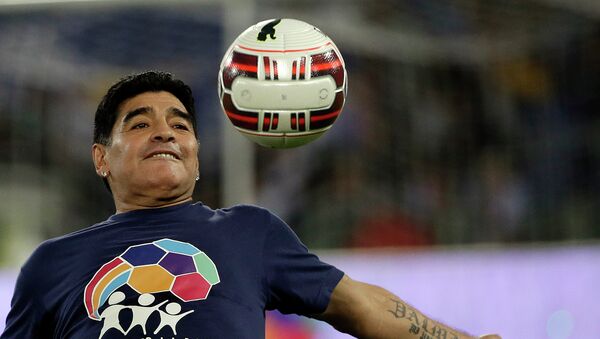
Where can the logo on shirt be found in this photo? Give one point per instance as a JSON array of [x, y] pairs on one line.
[[161, 267]]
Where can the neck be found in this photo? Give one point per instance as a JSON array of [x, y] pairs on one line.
[[122, 206]]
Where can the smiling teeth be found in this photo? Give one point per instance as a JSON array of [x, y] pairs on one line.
[[164, 155]]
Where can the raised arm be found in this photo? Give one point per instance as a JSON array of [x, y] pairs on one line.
[[368, 311]]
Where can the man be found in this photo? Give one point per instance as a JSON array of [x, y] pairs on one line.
[[180, 269]]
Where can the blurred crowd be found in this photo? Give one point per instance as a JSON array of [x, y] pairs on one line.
[[450, 154]]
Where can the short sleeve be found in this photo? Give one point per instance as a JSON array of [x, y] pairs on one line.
[[297, 281], [26, 316]]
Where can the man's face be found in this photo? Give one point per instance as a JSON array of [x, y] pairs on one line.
[[153, 153]]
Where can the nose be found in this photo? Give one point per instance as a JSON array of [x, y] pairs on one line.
[[163, 133]]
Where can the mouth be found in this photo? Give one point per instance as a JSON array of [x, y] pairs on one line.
[[163, 155]]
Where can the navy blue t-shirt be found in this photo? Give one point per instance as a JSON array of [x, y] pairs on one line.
[[185, 271]]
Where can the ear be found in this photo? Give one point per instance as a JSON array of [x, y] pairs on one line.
[[99, 157], [198, 158]]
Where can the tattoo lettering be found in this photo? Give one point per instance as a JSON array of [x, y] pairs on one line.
[[425, 324], [418, 322], [399, 311], [414, 329], [439, 332], [412, 317], [443, 333]]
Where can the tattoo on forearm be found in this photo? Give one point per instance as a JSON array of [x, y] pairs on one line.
[[419, 324]]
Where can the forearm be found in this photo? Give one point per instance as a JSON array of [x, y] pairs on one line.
[[405, 318], [378, 314]]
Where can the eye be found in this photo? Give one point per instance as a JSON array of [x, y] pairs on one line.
[[181, 126], [140, 125]]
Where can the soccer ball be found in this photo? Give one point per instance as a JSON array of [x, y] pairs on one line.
[[282, 83]]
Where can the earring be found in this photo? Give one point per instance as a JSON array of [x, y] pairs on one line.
[[104, 174], [197, 177]]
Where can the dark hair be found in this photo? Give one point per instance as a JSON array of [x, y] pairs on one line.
[[130, 86]]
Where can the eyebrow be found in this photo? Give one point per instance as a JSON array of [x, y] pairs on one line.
[[181, 114], [138, 111], [147, 109]]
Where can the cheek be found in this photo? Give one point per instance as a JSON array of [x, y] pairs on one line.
[[194, 162], [121, 156], [193, 155]]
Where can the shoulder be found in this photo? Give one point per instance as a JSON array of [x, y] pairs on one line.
[[51, 255], [251, 218], [248, 213], [56, 246], [39, 266], [243, 209], [45, 254]]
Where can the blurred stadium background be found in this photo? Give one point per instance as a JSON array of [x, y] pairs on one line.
[[463, 174]]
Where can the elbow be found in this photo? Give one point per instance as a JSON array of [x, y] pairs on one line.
[[360, 321], [354, 309]]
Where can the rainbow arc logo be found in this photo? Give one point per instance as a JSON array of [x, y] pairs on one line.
[[164, 265]]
